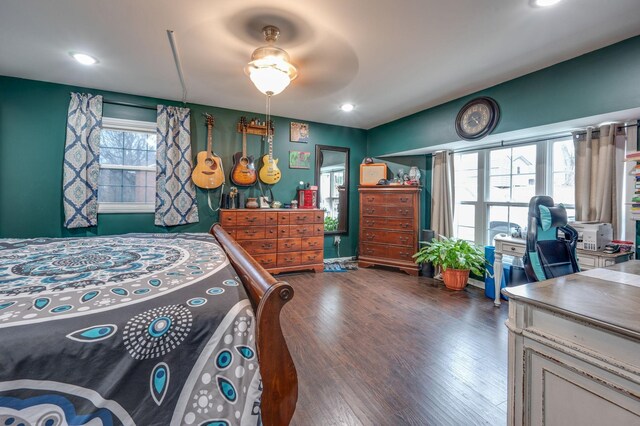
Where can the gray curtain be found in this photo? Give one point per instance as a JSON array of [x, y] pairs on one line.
[[596, 198], [81, 166], [175, 192], [442, 194]]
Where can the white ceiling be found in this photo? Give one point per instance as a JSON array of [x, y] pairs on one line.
[[390, 58]]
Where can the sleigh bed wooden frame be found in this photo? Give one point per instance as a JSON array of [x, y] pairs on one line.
[[268, 296]]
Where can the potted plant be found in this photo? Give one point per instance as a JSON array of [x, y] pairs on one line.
[[456, 258]]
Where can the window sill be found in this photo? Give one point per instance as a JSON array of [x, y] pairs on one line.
[[126, 208]]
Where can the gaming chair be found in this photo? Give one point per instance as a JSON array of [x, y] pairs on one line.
[[548, 254]]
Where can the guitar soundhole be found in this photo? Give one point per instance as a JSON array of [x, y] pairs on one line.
[[208, 162]]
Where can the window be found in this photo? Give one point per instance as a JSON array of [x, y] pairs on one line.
[[493, 187], [127, 182], [329, 183]]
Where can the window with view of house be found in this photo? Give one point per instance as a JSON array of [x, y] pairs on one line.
[[127, 182], [493, 186]]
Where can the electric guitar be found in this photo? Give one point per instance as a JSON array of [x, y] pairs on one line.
[[208, 173], [243, 172], [269, 172]]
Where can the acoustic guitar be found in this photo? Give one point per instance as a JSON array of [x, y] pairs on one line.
[[269, 172], [208, 173], [243, 172]]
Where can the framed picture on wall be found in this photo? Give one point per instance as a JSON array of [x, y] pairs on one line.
[[299, 132], [299, 160]]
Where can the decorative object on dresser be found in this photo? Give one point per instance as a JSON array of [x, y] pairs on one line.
[[372, 173], [389, 223], [208, 173], [243, 172], [281, 240]]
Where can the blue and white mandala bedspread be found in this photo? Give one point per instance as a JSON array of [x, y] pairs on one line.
[[139, 329]]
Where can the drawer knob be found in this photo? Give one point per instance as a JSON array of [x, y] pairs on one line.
[[251, 219], [513, 249], [404, 199], [267, 245]]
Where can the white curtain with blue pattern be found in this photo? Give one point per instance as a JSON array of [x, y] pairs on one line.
[[81, 161], [175, 192]]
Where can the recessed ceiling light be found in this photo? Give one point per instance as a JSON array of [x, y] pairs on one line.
[[545, 3], [83, 58], [347, 107]]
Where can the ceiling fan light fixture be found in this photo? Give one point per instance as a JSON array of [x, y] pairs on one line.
[[83, 58], [347, 107], [270, 68], [544, 3]]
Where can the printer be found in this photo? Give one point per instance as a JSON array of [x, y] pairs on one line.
[[593, 236]]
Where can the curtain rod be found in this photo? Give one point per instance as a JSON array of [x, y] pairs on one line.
[[502, 144], [129, 104]]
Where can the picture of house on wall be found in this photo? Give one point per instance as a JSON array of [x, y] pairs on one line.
[[299, 160], [299, 132]]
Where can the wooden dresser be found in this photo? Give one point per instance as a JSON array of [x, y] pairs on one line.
[[389, 225], [281, 240]]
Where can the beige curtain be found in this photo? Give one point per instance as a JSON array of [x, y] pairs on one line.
[[596, 198], [442, 194]]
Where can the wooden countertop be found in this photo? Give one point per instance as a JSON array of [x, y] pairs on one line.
[[606, 297]]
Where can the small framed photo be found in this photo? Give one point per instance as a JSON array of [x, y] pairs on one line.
[[299, 132], [299, 160]]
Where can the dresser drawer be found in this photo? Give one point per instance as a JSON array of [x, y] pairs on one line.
[[267, 260], [259, 246], [400, 253], [373, 250], [227, 218], [312, 243], [301, 230], [388, 237], [372, 199], [301, 218], [231, 232], [387, 211], [405, 200], [271, 218], [318, 230], [318, 216], [288, 259], [283, 218], [387, 223], [289, 244], [250, 233], [271, 232], [311, 257], [244, 218], [284, 231]]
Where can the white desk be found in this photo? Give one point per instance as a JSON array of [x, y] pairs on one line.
[[517, 247]]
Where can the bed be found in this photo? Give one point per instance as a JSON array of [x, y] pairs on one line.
[[141, 329]]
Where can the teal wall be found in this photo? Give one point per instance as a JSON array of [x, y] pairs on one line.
[[32, 136], [599, 82]]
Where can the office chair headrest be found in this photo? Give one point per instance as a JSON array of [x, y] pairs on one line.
[[548, 216]]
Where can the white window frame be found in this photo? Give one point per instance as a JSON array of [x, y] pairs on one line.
[[122, 124], [544, 183]]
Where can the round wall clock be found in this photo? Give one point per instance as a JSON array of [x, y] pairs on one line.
[[477, 118]]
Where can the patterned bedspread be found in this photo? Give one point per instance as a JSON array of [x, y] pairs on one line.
[[140, 329]]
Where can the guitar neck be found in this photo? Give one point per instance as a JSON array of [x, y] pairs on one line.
[[270, 149], [209, 139], [244, 142]]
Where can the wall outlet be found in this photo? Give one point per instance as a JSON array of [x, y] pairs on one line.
[[336, 240]]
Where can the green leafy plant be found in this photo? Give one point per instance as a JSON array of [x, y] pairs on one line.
[[330, 224], [452, 253]]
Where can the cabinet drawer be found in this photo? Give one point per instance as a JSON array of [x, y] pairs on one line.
[[284, 231], [271, 218], [400, 253], [388, 237], [267, 260], [288, 259], [227, 218], [372, 199], [289, 244], [231, 232], [373, 250], [387, 211], [271, 232], [513, 249], [399, 200], [312, 243], [387, 223], [318, 216], [250, 218], [283, 218], [250, 233], [301, 230], [301, 218], [259, 246], [318, 230], [311, 257], [588, 261]]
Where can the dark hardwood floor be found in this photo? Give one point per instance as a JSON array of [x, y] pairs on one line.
[[378, 347]]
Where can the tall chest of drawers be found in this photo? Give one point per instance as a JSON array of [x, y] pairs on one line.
[[281, 240], [389, 225]]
